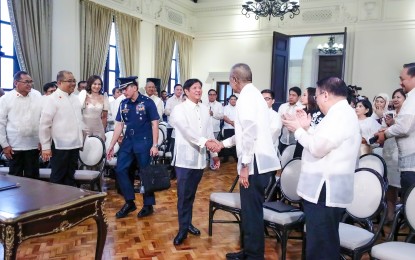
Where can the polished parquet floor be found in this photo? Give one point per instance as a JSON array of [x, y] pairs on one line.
[[151, 237]]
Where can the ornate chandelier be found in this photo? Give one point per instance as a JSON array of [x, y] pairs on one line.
[[276, 8], [330, 47]]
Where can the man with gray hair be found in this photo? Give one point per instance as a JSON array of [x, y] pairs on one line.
[[257, 159]]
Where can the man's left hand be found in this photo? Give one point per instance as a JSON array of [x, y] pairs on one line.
[[243, 177]]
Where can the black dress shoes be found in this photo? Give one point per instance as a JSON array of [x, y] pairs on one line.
[[127, 208], [145, 211], [181, 236], [193, 230], [235, 256]]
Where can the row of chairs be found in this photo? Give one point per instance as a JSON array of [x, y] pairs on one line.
[[92, 160], [368, 207]]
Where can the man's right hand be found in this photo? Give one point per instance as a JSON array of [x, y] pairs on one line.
[[8, 151], [46, 154], [110, 153]]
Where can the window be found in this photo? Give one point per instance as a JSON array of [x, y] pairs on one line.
[[112, 69], [174, 72], [224, 90], [8, 58]]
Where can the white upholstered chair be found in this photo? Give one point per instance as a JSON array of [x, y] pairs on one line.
[[282, 223], [287, 155], [92, 160], [394, 250], [358, 236]]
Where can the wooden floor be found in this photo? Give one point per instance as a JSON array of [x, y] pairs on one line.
[[152, 237]]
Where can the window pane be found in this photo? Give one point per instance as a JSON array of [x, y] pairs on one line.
[[175, 51], [173, 70], [112, 37], [112, 58], [6, 73], [4, 11], [228, 91], [111, 82], [7, 39]]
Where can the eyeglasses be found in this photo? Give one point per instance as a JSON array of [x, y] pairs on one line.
[[212, 94], [27, 82], [69, 80], [267, 98]]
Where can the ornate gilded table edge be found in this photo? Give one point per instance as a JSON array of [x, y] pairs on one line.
[[45, 211]]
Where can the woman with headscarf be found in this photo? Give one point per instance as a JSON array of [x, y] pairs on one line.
[[380, 106]]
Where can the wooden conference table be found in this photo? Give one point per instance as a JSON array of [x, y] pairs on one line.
[[39, 208]]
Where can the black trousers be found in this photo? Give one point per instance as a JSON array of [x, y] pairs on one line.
[[407, 180], [252, 215], [323, 242], [25, 163], [64, 164], [187, 182], [228, 151]]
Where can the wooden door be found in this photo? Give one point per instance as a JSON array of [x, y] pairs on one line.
[[279, 70], [330, 66]]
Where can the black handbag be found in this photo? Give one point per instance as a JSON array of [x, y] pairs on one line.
[[154, 177]]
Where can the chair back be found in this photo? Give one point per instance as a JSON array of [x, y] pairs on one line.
[[375, 162], [368, 194], [163, 127], [161, 137], [93, 152], [289, 180], [410, 207], [287, 154], [108, 138]]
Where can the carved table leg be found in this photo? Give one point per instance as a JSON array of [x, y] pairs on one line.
[[10, 242], [102, 222]]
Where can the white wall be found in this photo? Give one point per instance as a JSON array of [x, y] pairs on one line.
[[379, 56], [219, 55], [379, 40]]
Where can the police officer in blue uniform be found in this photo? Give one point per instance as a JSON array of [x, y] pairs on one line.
[[139, 114]]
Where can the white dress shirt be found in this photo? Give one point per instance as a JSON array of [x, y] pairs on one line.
[[252, 135], [170, 104], [61, 121], [159, 104], [230, 112], [114, 105], [217, 109], [275, 126], [369, 127], [404, 132], [193, 128], [330, 155], [19, 120], [287, 137]]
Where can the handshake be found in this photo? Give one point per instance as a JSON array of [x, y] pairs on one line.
[[214, 145]]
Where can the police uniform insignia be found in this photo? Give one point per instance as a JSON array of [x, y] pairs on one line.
[[125, 109]]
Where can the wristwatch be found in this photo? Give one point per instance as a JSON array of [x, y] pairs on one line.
[[244, 165], [155, 145]]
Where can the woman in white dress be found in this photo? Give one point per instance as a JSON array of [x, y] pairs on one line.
[[95, 107], [390, 154], [368, 125]]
